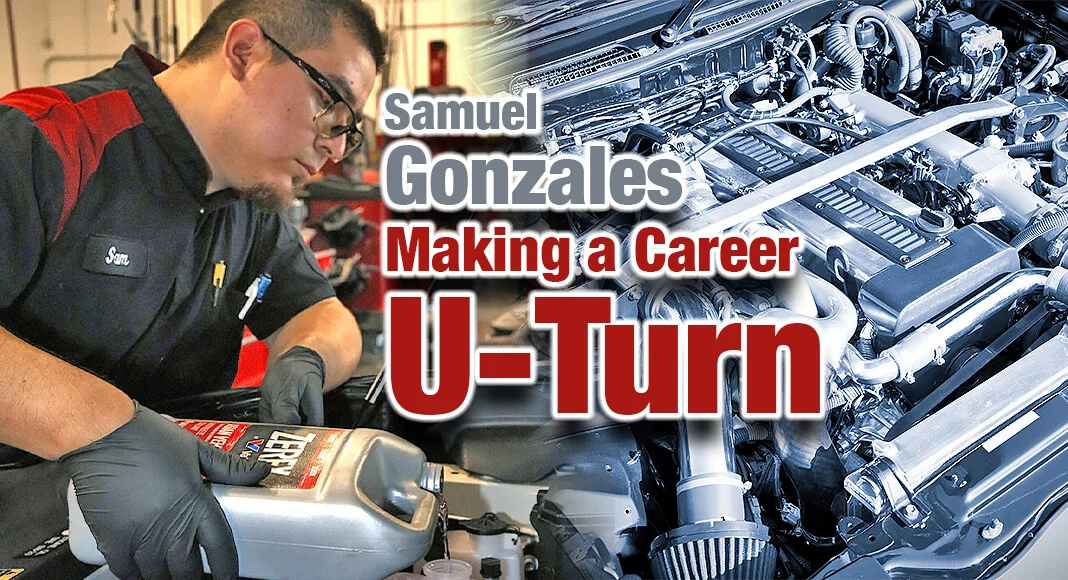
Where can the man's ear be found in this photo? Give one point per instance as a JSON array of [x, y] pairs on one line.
[[244, 48]]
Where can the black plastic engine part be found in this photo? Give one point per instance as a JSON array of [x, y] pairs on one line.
[[487, 525], [966, 372], [993, 504], [948, 29], [490, 569], [815, 470], [564, 552]]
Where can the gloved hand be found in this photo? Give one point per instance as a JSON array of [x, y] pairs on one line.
[[292, 386], [141, 492]]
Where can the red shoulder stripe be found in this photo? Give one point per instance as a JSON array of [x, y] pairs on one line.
[[77, 131], [36, 101]]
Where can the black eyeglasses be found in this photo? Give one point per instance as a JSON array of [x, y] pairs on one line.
[[337, 118]]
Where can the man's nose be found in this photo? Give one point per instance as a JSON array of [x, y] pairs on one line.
[[333, 148]]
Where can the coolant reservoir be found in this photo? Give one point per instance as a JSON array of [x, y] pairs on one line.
[[338, 504]]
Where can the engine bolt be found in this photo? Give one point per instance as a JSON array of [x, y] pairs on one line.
[[992, 530], [905, 259], [911, 512], [821, 205]]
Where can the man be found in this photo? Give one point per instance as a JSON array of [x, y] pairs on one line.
[[137, 238]]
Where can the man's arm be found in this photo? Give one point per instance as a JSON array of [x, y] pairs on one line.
[[50, 407], [327, 328], [131, 468]]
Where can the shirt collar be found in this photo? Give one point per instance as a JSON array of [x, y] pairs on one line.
[[135, 71]]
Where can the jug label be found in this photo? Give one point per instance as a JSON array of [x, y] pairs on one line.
[[298, 455]]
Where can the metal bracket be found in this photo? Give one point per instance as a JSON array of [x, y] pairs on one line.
[[719, 218]]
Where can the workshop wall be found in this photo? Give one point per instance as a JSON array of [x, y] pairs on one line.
[[59, 41], [412, 25], [62, 40]]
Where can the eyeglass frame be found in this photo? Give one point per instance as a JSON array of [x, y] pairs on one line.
[[328, 87]]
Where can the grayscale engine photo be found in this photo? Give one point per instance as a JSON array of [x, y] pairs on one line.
[[920, 149]]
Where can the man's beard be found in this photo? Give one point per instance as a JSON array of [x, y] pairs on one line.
[[266, 197]]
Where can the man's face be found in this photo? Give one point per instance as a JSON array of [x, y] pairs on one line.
[[276, 145]]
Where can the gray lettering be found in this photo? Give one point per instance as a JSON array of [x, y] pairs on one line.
[[489, 116], [533, 170], [532, 109], [424, 116], [398, 192], [598, 160], [452, 114], [394, 104], [480, 170], [568, 189], [512, 117], [664, 172], [625, 175], [449, 192]]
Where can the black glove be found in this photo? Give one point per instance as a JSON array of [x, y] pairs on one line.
[[293, 386], [141, 492]]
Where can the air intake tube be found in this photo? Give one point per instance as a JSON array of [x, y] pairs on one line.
[[840, 45]]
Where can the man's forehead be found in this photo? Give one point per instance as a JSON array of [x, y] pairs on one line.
[[343, 86]]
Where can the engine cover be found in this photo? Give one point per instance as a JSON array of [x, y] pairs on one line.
[[868, 238]]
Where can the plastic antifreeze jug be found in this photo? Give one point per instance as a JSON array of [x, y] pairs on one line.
[[338, 504]]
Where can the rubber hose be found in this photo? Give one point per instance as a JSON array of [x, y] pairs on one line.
[[1031, 148], [750, 432], [915, 56], [903, 9], [809, 458], [898, 30], [839, 48], [843, 396], [1049, 54], [747, 112], [864, 345], [1045, 225], [648, 131]]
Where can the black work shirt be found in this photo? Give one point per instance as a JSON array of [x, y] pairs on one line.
[[108, 243]]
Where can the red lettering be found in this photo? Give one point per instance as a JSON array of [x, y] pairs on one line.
[[648, 261], [732, 254], [803, 382], [682, 257], [523, 251], [704, 381], [569, 317], [601, 257], [705, 246], [475, 259], [410, 257], [659, 395], [785, 247], [762, 255], [406, 347]]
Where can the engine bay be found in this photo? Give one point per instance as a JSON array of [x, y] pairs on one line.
[[919, 148]]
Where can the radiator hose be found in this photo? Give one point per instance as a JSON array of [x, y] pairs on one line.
[[840, 46], [840, 50], [1030, 148], [1050, 222]]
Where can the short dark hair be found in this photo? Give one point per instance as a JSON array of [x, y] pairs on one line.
[[296, 24]]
